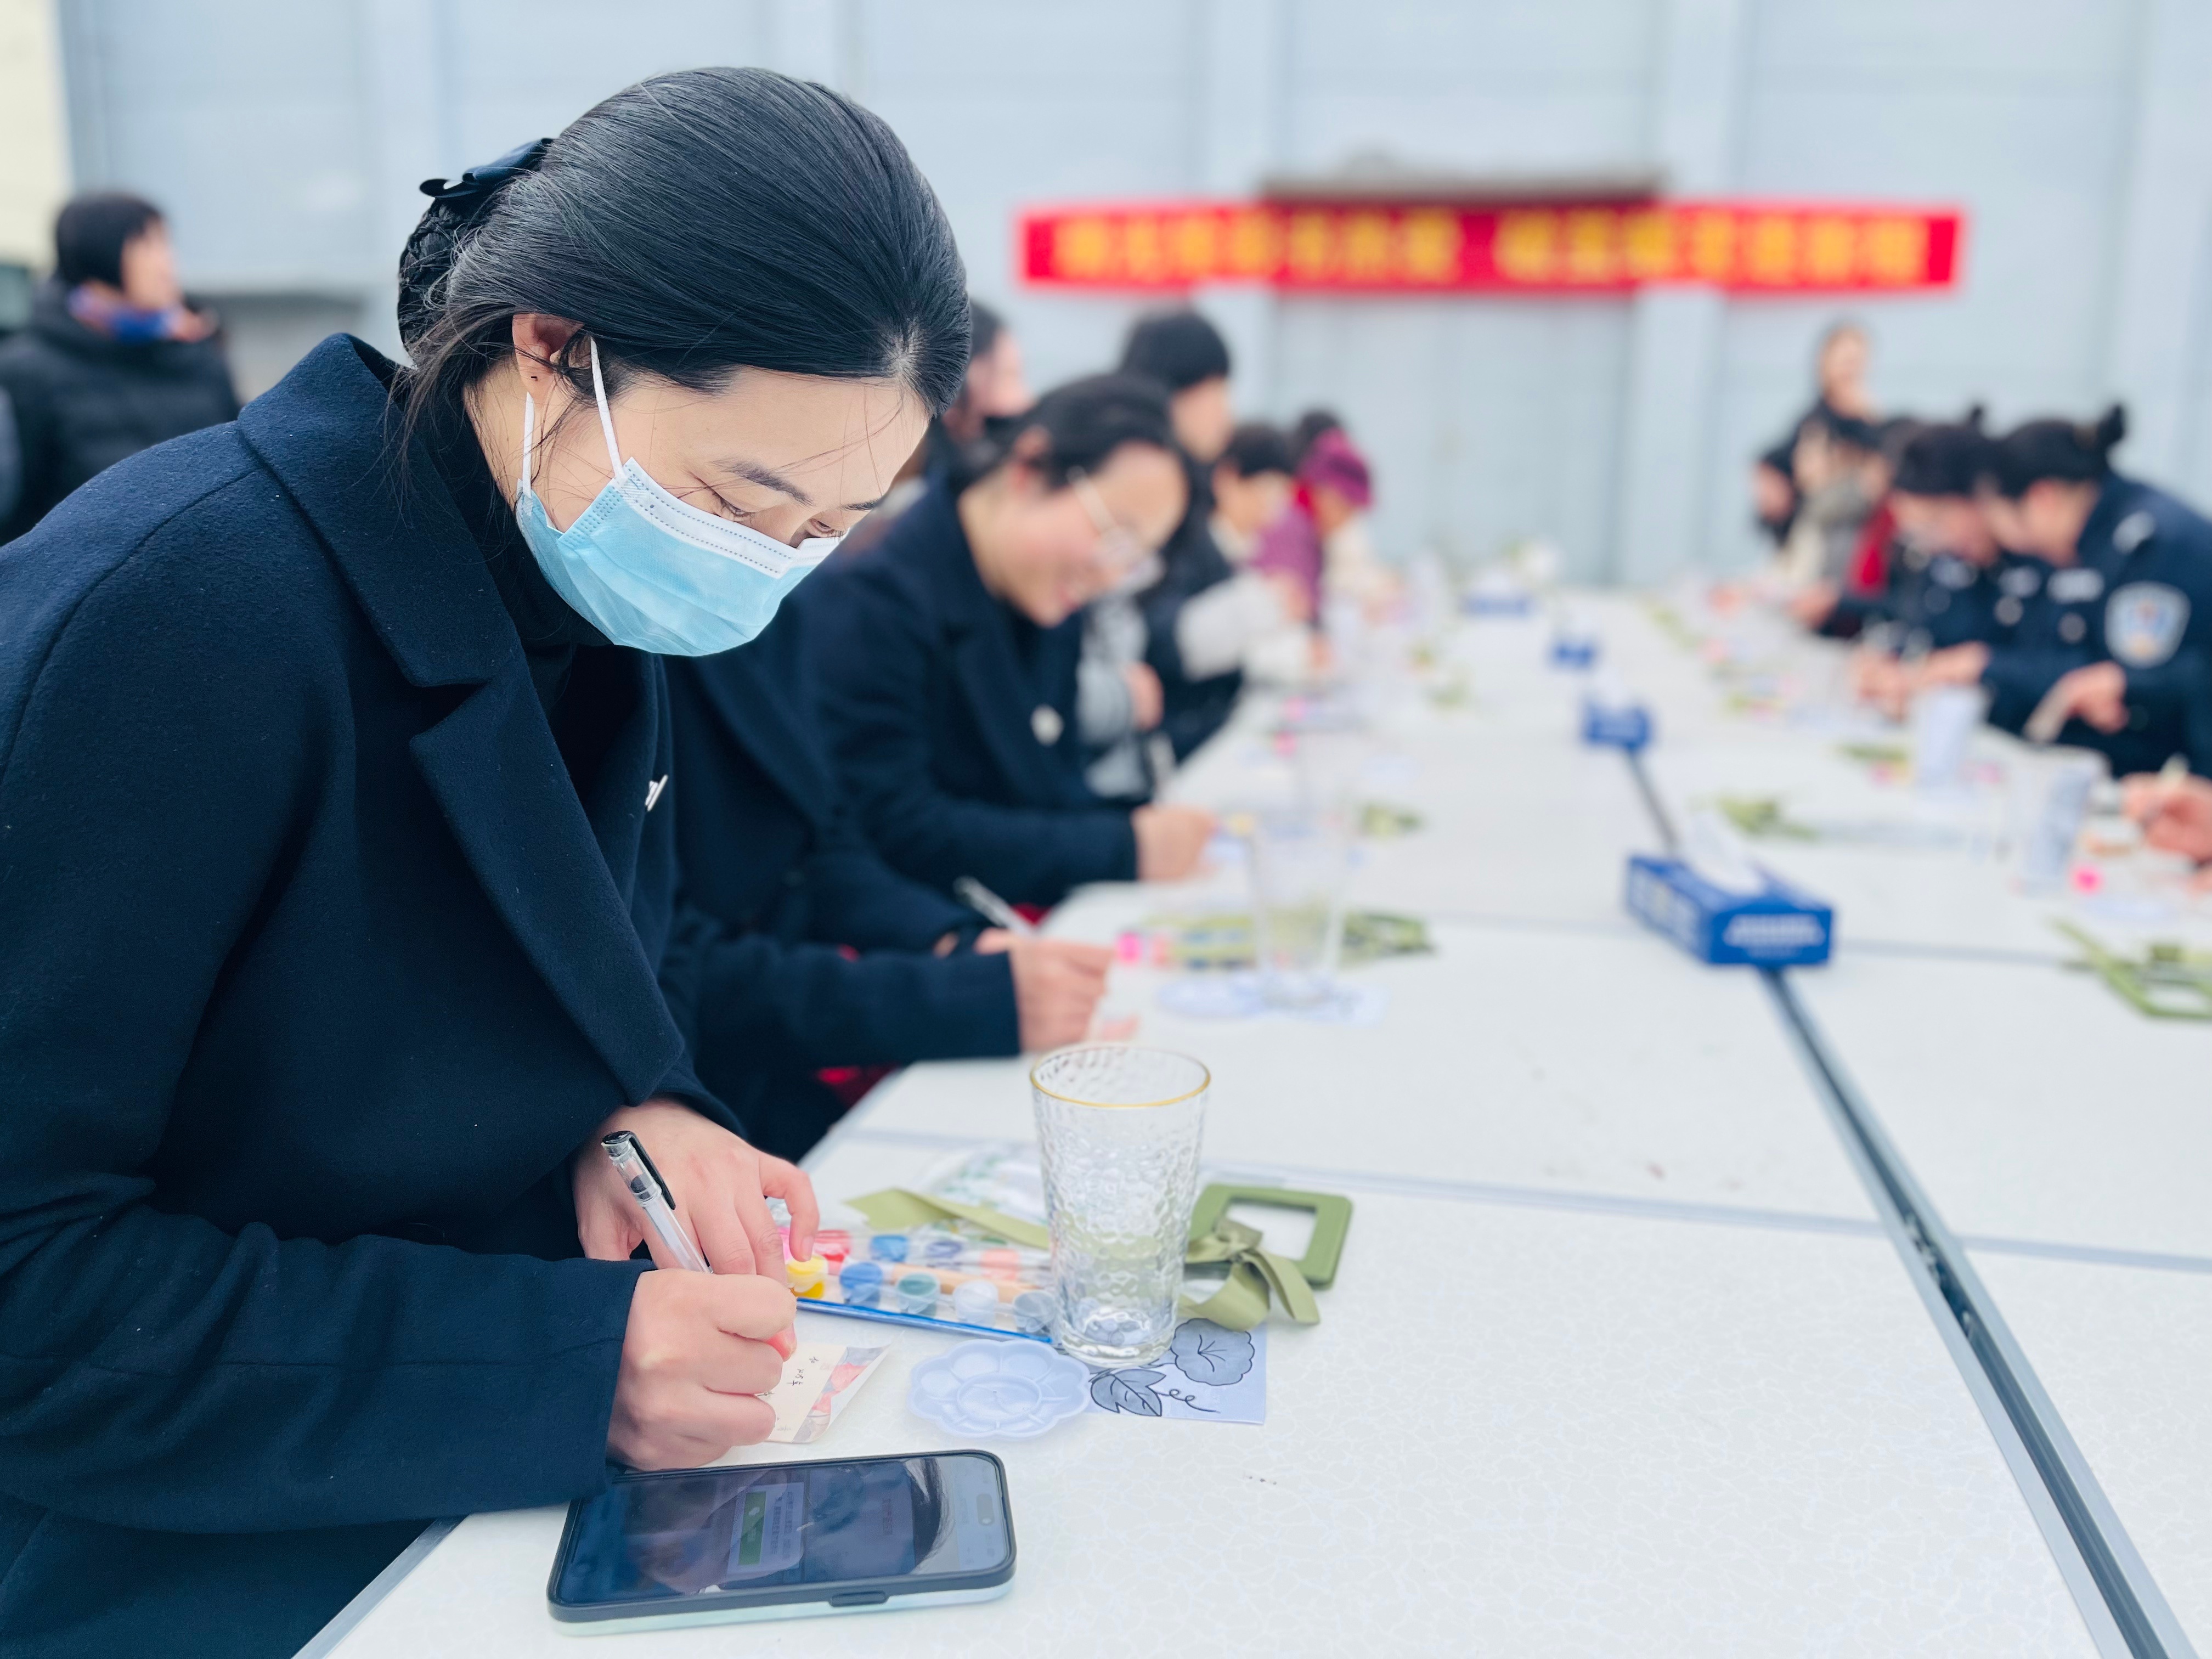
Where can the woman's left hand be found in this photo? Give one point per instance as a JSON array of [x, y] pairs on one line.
[[721, 1186]]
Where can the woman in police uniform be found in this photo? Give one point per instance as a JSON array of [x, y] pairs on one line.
[[2110, 653]]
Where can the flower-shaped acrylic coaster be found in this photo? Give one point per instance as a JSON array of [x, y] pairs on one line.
[[1010, 1389]]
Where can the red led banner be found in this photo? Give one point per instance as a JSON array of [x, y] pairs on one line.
[[1535, 248]]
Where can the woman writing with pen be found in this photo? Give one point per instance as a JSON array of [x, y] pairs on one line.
[[948, 652], [337, 869]]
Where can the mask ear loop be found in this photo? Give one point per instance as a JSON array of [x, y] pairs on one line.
[[606, 420], [529, 435]]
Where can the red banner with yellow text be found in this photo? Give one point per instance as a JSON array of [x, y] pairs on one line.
[[1531, 248]]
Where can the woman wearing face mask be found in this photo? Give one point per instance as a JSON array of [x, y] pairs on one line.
[[334, 780], [948, 654]]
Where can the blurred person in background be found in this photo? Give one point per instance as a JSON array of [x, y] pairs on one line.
[[1186, 354], [1951, 582], [994, 389], [798, 951], [948, 652], [340, 866], [1332, 489], [1841, 478], [1309, 426], [2111, 653], [1774, 493], [114, 361], [1839, 370], [1252, 621]]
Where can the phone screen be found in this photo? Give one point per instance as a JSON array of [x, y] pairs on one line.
[[718, 1531]]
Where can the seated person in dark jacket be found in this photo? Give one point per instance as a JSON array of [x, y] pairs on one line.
[[2114, 651], [1187, 355], [113, 361], [1949, 580], [947, 653], [799, 948]]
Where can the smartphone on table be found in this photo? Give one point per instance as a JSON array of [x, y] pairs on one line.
[[784, 1540]]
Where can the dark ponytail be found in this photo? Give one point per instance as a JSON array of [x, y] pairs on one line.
[[1084, 422], [2069, 451], [694, 224], [1945, 460]]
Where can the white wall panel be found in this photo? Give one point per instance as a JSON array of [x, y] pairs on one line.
[[286, 136]]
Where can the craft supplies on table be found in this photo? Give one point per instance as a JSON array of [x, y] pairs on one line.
[[1216, 941], [985, 1390]]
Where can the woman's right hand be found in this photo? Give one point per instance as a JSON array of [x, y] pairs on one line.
[[1170, 841], [2176, 815], [1057, 985], [699, 1350]]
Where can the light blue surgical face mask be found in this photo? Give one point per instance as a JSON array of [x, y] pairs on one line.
[[654, 572]]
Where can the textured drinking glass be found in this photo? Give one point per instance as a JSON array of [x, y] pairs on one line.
[[1301, 865], [1944, 721], [1118, 1129], [2050, 798]]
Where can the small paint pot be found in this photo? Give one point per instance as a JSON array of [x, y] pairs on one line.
[[1000, 1262], [862, 1282], [941, 1252], [833, 1244], [888, 1247], [975, 1302], [806, 1277], [917, 1293], [1033, 1311]]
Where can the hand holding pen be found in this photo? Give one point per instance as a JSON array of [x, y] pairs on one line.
[[700, 1347], [720, 1186]]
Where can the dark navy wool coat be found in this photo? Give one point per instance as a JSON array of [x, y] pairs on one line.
[[777, 878], [314, 972], [952, 720]]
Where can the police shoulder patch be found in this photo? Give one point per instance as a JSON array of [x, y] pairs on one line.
[[2144, 621], [2132, 532]]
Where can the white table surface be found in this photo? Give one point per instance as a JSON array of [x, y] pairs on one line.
[[2124, 1353], [1555, 1061], [1688, 1400], [1610, 1435], [2031, 1102]]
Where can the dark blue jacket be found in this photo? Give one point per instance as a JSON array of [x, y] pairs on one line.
[[2139, 593], [313, 969], [952, 719], [1932, 601], [1192, 710], [777, 877]]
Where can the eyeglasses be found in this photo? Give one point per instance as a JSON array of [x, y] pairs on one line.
[[1119, 548]]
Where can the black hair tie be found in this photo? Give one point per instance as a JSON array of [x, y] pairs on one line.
[[475, 188]]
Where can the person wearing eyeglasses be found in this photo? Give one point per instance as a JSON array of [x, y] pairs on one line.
[[948, 653]]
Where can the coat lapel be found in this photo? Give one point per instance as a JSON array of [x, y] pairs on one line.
[[491, 762], [1003, 700], [1004, 704]]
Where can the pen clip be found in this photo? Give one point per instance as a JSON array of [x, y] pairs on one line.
[[623, 1140]]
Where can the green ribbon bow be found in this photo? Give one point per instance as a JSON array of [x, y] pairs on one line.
[[1255, 1274]]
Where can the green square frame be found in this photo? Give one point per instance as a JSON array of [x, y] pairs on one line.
[[1332, 1214]]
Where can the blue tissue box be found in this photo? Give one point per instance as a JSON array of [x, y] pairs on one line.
[[1627, 727], [1780, 927], [1574, 653]]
